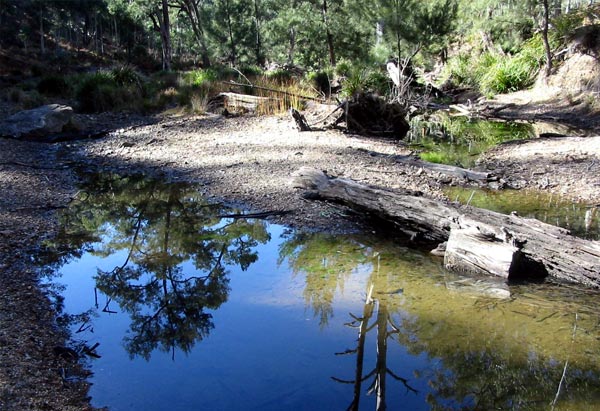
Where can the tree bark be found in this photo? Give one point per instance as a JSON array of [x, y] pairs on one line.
[[547, 49], [478, 240], [166, 36], [260, 58], [193, 11], [329, 36], [233, 57], [42, 42]]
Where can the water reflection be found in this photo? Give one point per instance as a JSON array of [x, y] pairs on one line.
[[316, 321], [487, 350], [175, 249], [458, 141], [577, 216]]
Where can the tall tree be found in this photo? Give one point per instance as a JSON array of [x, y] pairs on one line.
[[330, 46], [258, 44], [547, 49], [194, 11]]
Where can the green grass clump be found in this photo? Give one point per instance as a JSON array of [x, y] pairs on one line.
[[321, 81], [100, 92], [25, 99], [54, 85], [492, 73], [198, 78], [126, 76], [279, 76], [365, 80]]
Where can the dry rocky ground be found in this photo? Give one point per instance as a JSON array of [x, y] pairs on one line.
[[242, 160]]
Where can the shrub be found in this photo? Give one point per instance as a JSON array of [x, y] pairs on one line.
[[343, 68], [54, 85], [515, 72], [320, 80], [25, 99], [493, 73], [99, 92], [365, 80], [279, 76], [197, 78], [251, 70], [126, 75]]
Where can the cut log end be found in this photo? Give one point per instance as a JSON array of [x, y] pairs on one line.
[[309, 179]]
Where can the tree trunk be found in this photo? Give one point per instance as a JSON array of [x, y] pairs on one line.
[[42, 42], [192, 10], [233, 57], [260, 58], [290, 57], [166, 36], [478, 240], [548, 70], [328, 34]]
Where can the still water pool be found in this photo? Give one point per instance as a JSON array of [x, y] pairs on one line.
[[195, 308]]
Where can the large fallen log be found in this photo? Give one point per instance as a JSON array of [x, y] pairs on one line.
[[235, 103], [478, 241], [448, 170]]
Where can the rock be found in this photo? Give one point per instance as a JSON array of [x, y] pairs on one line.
[[37, 123]]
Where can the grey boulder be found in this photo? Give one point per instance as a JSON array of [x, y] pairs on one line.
[[38, 123]]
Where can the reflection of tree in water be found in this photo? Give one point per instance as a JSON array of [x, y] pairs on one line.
[[384, 324], [163, 228], [325, 262], [328, 261], [484, 353]]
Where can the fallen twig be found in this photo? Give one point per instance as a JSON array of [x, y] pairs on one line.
[[261, 215]]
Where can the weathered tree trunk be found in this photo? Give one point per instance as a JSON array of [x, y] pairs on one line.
[[232, 42], [165, 33], [547, 49], [259, 55], [329, 35], [447, 170], [235, 103], [479, 241], [42, 43]]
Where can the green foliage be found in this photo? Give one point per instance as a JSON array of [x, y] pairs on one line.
[[54, 85], [198, 78], [99, 92], [25, 99], [321, 81], [126, 76], [493, 73], [279, 76], [364, 79], [515, 72], [343, 68], [458, 141]]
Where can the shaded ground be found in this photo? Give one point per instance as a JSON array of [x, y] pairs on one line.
[[31, 375], [241, 160]]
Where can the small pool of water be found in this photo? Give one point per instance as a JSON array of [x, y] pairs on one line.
[[188, 306], [458, 141], [582, 219]]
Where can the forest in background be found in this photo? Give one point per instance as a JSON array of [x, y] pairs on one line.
[[489, 45]]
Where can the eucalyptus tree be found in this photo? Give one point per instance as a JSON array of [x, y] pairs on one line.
[[196, 14], [406, 25], [154, 12]]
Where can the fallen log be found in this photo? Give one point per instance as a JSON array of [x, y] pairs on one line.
[[447, 170], [480, 177], [235, 102], [478, 241]]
